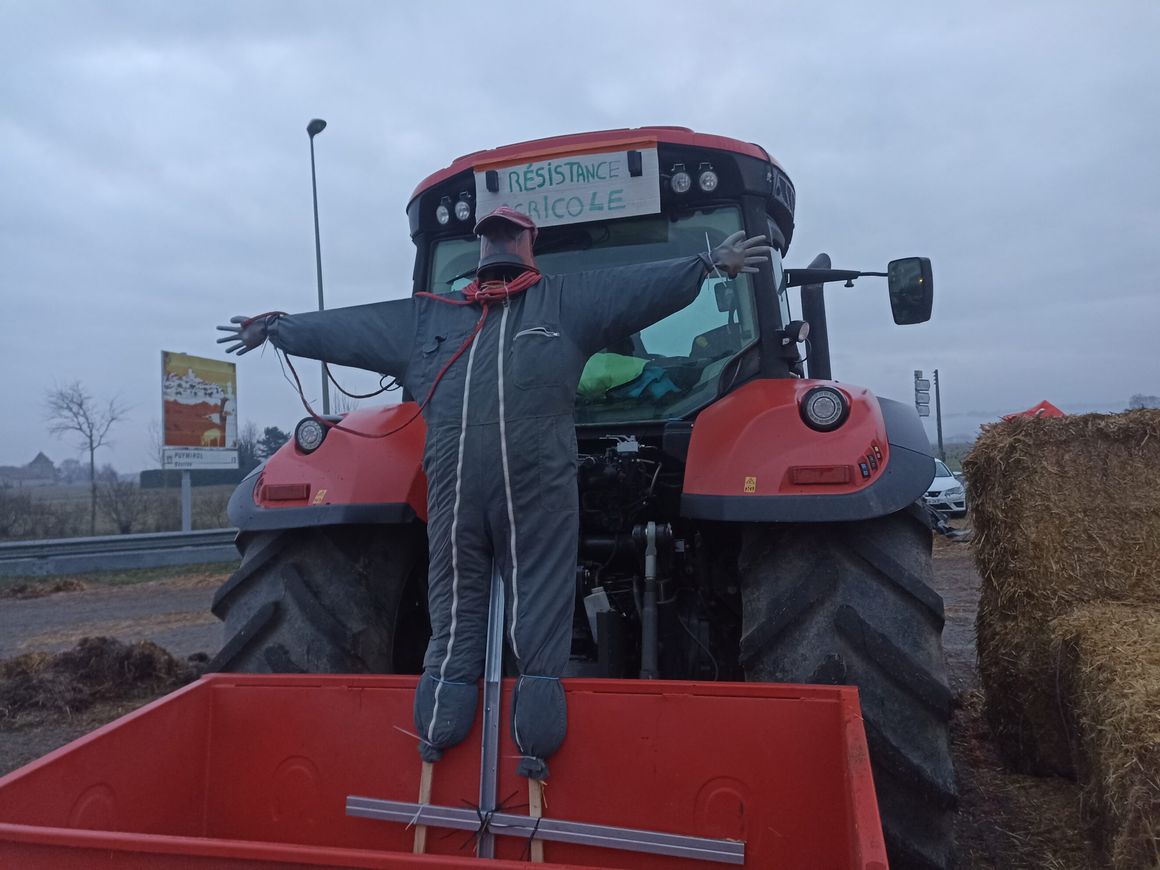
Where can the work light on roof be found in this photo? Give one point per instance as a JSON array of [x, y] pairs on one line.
[[680, 180], [463, 206], [706, 178], [443, 210]]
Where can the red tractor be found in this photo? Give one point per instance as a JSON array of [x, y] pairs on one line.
[[743, 515]]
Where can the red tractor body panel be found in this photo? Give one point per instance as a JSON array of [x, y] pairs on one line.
[[382, 476], [751, 458], [753, 442]]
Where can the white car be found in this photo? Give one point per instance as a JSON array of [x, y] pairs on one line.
[[945, 493]]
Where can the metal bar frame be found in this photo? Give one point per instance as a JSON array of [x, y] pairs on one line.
[[557, 830], [492, 697]]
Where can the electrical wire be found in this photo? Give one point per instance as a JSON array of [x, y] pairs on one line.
[[485, 294], [339, 387]]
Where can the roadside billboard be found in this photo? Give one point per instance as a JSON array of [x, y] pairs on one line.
[[199, 412]]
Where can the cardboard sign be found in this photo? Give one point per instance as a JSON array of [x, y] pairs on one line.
[[574, 188]]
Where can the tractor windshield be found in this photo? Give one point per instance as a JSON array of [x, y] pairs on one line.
[[669, 369]]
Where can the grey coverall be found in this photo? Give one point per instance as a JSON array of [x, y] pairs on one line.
[[500, 461]]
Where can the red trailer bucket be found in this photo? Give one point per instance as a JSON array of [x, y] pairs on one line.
[[241, 771]]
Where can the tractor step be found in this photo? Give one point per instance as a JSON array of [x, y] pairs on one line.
[[255, 771]]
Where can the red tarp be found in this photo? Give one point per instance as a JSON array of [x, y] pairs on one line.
[[1043, 409]]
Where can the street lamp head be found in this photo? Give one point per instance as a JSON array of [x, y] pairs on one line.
[[315, 127]]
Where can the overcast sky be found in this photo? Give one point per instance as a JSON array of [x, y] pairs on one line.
[[154, 174]]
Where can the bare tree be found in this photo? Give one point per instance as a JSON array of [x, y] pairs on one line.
[[72, 410], [248, 447], [122, 500], [344, 404], [156, 443]]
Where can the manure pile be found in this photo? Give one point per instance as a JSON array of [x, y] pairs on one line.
[[1066, 515], [96, 669]]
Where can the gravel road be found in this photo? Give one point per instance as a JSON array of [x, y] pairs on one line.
[[172, 613]]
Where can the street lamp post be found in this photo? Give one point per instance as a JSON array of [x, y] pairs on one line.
[[313, 129]]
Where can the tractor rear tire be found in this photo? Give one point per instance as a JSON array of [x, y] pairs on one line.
[[853, 603], [330, 599]]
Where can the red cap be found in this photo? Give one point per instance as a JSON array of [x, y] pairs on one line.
[[506, 213]]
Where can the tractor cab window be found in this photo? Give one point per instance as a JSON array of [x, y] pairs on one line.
[[779, 280], [669, 369]]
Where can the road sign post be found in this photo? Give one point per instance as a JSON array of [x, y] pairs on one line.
[[921, 394]]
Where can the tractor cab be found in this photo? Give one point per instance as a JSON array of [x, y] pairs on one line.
[[620, 198], [623, 197]]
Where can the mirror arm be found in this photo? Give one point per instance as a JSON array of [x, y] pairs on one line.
[[803, 277]]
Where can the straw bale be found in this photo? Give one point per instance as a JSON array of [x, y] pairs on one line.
[[1066, 511], [1110, 686]]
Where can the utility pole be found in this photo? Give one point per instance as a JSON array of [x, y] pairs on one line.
[[938, 417], [313, 129]]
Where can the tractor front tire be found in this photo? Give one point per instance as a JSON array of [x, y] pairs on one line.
[[853, 603], [330, 599]]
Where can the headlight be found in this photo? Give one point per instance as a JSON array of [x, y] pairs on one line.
[[680, 181], [463, 209], [824, 409], [443, 210], [707, 179], [954, 491], [309, 435]]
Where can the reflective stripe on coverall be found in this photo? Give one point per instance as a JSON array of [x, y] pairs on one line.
[[500, 461]]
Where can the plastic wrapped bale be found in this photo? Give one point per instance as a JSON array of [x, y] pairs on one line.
[[1066, 512], [1110, 686]]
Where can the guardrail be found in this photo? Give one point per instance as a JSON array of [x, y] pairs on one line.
[[116, 552]]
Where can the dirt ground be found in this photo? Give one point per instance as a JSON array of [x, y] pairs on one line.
[[1005, 820]]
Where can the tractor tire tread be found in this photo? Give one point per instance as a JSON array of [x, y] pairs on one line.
[[251, 631], [313, 609], [890, 570], [279, 660], [896, 665], [252, 562], [852, 603], [789, 610], [323, 600], [895, 761]]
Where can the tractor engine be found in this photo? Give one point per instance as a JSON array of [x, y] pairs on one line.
[[638, 609]]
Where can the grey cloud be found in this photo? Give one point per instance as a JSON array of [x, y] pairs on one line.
[[155, 172]]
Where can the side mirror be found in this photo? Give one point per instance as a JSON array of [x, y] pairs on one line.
[[726, 296], [911, 289]]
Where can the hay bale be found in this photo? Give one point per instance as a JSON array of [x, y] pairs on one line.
[[1019, 677], [1064, 514], [1110, 685]]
